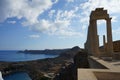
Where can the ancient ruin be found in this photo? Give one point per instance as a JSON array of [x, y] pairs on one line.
[[104, 61], [92, 43]]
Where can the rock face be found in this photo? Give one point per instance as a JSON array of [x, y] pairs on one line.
[[66, 73], [69, 72], [70, 53], [1, 76], [81, 60]]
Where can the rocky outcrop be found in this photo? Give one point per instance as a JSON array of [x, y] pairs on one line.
[[43, 69], [71, 53], [81, 60], [66, 73], [69, 72]]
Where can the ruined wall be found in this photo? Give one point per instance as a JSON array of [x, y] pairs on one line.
[[1, 76], [116, 46], [95, 65]]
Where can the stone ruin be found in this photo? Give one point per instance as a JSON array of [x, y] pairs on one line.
[[92, 43]]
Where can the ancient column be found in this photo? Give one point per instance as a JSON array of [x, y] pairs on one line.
[[91, 47], [104, 43], [109, 37], [98, 40], [95, 39]]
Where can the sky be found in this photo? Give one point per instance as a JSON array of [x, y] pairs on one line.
[[52, 24]]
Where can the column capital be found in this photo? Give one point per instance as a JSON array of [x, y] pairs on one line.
[[108, 18]]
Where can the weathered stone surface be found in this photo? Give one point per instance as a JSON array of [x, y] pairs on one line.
[[1, 78], [92, 43], [81, 60], [69, 71]]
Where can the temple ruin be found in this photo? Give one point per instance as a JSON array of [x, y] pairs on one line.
[[104, 61], [92, 43]]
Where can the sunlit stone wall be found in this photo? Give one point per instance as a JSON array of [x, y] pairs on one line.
[[1, 76]]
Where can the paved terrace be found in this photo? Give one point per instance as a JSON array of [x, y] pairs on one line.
[[111, 73]]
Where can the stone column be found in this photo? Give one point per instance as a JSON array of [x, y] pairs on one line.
[[98, 40], [90, 39], [104, 43], [95, 39], [91, 42], [109, 37]]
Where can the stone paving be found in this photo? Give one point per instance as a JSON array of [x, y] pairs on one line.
[[112, 73]]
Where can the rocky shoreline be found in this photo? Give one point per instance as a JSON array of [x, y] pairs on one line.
[[46, 51], [44, 69]]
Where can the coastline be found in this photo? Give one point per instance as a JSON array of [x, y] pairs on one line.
[[46, 51], [38, 69]]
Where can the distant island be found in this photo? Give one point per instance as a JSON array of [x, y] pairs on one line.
[[46, 51]]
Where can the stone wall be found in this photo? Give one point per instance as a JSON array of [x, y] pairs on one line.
[[95, 65], [116, 46], [1, 76]]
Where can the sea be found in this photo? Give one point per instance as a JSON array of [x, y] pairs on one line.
[[15, 56], [17, 76]]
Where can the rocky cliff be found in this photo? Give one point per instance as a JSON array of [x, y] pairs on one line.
[[69, 72], [45, 69]]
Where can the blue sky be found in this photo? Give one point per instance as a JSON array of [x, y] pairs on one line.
[[52, 24]]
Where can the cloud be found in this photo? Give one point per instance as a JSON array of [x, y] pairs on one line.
[[59, 26], [84, 27], [51, 13], [54, 1], [28, 9], [58, 22], [114, 19], [116, 31], [67, 14], [111, 5], [34, 36], [69, 33], [70, 0], [12, 22], [116, 34]]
